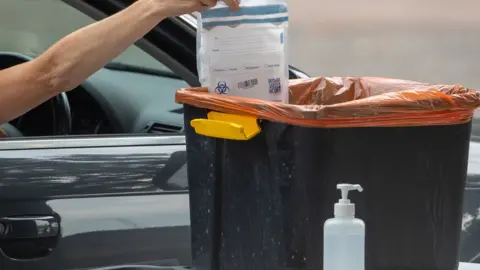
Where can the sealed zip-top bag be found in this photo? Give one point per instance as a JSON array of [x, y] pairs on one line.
[[243, 53]]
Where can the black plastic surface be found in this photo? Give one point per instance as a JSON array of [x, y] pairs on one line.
[[261, 204]]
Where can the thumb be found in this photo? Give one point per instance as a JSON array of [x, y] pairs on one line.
[[233, 4]]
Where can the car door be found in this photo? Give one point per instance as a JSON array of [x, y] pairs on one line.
[[78, 203], [116, 201], [91, 201]]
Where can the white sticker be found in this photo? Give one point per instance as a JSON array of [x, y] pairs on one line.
[[247, 63]]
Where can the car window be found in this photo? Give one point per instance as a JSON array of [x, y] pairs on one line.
[[31, 26], [143, 89]]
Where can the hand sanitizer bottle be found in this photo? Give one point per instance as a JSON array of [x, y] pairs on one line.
[[344, 235]]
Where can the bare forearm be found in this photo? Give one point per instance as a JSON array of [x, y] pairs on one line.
[[74, 58], [21, 88]]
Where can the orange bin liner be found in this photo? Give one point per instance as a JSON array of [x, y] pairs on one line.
[[336, 102]]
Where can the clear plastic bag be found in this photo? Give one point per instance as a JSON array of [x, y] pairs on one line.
[[244, 53]]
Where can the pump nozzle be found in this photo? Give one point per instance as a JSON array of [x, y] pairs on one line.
[[344, 207], [345, 188]]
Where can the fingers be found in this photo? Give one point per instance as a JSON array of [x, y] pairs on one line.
[[233, 4]]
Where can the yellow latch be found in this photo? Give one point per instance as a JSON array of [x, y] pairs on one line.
[[227, 126]]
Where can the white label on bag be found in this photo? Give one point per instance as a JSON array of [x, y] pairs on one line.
[[246, 62]]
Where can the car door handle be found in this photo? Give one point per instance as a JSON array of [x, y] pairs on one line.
[[29, 227]]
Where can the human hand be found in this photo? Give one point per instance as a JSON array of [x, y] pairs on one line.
[[179, 7], [233, 4]]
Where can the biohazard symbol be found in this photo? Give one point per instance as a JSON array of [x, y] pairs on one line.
[[222, 88]]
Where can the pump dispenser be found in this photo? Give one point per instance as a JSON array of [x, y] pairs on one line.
[[344, 208], [344, 235]]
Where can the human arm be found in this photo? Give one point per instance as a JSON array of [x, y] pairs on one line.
[[74, 58]]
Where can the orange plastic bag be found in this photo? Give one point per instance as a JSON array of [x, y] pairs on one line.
[[351, 102]]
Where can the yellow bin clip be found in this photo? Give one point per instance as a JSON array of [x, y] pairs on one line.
[[227, 126]]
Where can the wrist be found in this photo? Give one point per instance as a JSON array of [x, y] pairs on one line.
[[152, 9], [157, 9]]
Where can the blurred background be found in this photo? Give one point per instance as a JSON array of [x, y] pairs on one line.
[[426, 40]]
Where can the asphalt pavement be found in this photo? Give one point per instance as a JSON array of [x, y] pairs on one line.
[[397, 38]]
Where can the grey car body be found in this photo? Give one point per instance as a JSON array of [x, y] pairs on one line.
[[123, 200]]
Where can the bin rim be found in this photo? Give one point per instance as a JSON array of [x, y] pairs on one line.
[[334, 102]]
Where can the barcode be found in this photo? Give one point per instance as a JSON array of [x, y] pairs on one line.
[[274, 86], [247, 84]]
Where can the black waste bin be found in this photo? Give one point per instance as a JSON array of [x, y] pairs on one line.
[[261, 203]]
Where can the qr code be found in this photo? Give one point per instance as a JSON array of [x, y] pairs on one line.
[[247, 84], [274, 86]]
